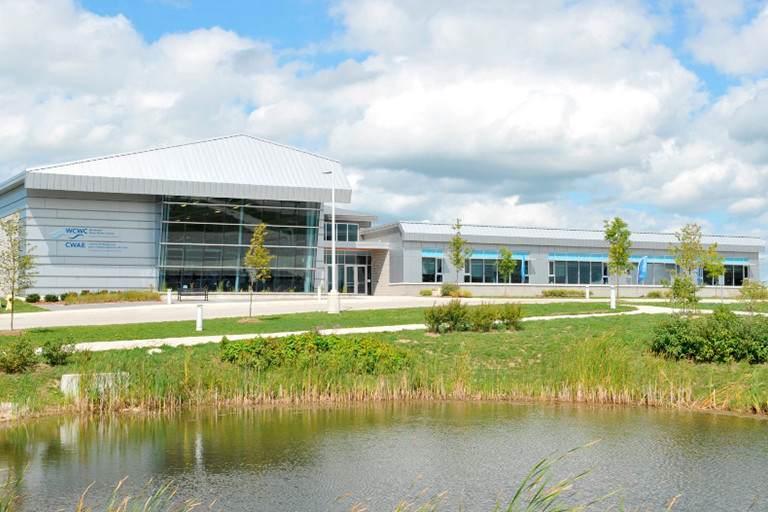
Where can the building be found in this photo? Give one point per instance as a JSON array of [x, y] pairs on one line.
[[546, 258], [183, 216]]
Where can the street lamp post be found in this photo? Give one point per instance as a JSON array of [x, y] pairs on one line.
[[334, 306]]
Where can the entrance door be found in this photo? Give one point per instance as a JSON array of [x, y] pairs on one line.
[[362, 280], [349, 282]]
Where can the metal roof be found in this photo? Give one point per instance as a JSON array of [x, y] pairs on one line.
[[344, 212], [238, 166], [431, 232]]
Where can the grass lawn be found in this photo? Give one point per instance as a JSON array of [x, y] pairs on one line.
[[275, 323], [20, 307], [733, 306]]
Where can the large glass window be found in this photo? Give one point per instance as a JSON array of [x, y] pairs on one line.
[[204, 241], [485, 270], [734, 275], [577, 269]]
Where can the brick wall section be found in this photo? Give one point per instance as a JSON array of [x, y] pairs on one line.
[[380, 273]]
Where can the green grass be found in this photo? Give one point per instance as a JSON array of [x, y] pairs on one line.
[[275, 323], [20, 307], [591, 360], [707, 306]]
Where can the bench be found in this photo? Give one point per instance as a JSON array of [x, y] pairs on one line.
[[193, 292]]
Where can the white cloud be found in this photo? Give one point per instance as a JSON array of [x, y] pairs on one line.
[[495, 111], [730, 44]]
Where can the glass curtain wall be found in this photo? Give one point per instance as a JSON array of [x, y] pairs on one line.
[[204, 241]]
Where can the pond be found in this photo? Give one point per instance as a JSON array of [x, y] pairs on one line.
[[303, 458]]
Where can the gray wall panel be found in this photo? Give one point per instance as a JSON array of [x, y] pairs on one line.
[[94, 241]]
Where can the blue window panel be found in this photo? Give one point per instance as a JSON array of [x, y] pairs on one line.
[[432, 253]]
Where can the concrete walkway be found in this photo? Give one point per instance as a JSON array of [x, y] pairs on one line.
[[197, 340], [107, 314]]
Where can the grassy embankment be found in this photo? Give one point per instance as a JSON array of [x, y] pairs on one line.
[[594, 360]]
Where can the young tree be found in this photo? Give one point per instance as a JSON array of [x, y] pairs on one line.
[[617, 234], [692, 257], [18, 266], [459, 251], [753, 295], [506, 266], [257, 260]]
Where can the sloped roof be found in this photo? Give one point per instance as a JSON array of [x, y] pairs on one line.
[[432, 232], [239, 166]]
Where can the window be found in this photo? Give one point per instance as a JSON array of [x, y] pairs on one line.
[[734, 275], [344, 232], [485, 271], [431, 270], [577, 269]]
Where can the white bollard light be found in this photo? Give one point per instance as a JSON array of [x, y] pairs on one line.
[[319, 295], [199, 326], [613, 297], [168, 298], [586, 292]]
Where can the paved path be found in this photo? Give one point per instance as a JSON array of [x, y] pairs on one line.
[[197, 340], [107, 314]]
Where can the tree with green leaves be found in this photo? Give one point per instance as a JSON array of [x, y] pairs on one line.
[[617, 234], [459, 250], [753, 294], [257, 260], [506, 265], [691, 257], [18, 265]]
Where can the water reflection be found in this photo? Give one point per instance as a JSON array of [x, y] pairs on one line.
[[303, 458]]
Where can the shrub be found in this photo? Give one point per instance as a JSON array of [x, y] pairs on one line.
[[722, 337], [51, 297], [85, 292], [461, 293], [33, 298], [312, 350], [104, 292], [456, 315], [128, 296], [483, 317], [510, 315], [435, 317], [425, 293], [447, 288], [64, 295], [57, 352], [562, 293], [17, 356], [655, 294]]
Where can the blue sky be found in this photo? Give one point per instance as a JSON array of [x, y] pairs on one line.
[[555, 113], [283, 23]]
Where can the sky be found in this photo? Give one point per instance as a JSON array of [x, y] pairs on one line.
[[550, 113]]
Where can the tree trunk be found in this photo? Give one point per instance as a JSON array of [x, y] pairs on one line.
[[250, 305], [12, 310]]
